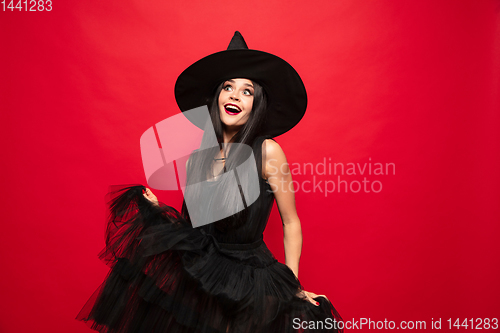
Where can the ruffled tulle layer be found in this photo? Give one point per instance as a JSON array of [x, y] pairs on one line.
[[169, 277]]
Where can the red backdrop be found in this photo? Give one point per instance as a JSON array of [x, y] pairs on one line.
[[414, 83]]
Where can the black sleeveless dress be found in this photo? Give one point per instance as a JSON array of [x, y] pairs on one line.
[[167, 276]]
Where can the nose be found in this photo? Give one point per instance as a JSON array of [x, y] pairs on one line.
[[234, 96]]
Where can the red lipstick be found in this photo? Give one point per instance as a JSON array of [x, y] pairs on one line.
[[232, 109]]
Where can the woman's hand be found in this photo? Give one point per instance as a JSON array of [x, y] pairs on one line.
[[150, 196], [306, 295]]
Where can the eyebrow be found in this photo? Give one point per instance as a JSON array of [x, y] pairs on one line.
[[247, 84]]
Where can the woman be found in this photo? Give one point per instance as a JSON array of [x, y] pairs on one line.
[[167, 276]]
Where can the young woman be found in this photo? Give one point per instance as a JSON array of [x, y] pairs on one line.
[[168, 275]]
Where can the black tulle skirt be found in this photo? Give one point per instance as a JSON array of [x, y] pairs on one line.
[[166, 276]]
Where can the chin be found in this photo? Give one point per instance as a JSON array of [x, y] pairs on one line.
[[231, 121]]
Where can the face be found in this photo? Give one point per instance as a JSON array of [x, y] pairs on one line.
[[236, 102]]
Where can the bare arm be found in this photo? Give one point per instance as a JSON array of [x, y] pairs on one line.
[[151, 197], [279, 176]]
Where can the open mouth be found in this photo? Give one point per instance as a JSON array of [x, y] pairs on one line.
[[232, 109]]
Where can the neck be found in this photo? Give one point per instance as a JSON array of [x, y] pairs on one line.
[[229, 132]]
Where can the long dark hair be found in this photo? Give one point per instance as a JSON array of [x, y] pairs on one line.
[[225, 196]]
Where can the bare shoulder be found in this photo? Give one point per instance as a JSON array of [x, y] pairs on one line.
[[275, 159], [273, 150]]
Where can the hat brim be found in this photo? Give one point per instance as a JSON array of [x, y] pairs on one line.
[[287, 98]]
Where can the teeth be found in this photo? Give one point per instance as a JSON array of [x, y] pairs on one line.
[[232, 107]]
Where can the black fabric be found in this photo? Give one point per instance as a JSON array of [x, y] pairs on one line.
[[287, 97], [166, 276], [237, 42]]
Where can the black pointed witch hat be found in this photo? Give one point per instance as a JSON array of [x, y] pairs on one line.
[[286, 94]]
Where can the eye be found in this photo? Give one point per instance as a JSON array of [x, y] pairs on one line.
[[228, 87], [248, 92]]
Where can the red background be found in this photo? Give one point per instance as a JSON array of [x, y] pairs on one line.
[[414, 83]]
